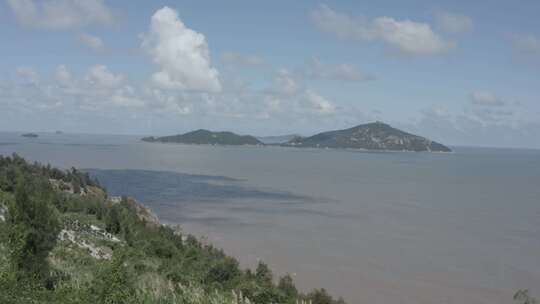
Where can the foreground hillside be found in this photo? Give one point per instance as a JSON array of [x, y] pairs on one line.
[[371, 136], [205, 137], [64, 240]]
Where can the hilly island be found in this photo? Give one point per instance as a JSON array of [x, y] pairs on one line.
[[371, 136], [376, 136], [205, 137]]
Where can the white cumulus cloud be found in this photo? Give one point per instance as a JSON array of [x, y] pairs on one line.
[[101, 77], [289, 95], [181, 54], [318, 103], [63, 76], [406, 36], [61, 14], [285, 83], [486, 99]]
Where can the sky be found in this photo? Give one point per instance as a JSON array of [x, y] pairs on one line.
[[460, 72]]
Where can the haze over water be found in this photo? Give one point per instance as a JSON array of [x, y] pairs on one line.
[[373, 227]]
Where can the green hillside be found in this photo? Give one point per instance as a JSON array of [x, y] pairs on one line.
[[205, 137], [63, 240], [371, 136]]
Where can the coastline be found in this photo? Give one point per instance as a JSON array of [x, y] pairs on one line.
[[300, 148]]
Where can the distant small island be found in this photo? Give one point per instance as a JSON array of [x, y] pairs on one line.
[[205, 137], [30, 135], [371, 136], [376, 136]]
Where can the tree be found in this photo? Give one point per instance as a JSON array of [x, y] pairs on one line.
[[112, 221], [33, 227], [223, 272], [287, 287], [263, 274], [266, 291], [320, 296]]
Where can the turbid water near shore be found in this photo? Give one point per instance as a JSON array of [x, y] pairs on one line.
[[374, 227]]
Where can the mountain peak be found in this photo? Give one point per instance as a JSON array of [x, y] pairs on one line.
[[373, 124], [371, 136]]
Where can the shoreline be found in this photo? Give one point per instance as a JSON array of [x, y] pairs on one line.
[[301, 148]]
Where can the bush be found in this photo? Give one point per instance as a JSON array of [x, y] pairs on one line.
[[224, 272], [112, 220], [113, 284]]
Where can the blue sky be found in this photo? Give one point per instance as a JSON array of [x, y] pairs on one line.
[[461, 72]]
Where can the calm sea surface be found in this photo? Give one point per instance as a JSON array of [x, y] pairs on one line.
[[373, 227]]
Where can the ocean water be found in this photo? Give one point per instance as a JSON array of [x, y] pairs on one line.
[[373, 227]]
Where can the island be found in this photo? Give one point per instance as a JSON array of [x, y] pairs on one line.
[[371, 136], [205, 137], [375, 136], [30, 135]]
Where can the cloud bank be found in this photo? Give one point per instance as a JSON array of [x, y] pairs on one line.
[[405, 36], [61, 14]]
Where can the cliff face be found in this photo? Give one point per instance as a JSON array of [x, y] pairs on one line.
[[143, 213], [372, 136]]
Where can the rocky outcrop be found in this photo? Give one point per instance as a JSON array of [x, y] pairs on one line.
[[2, 213], [81, 235], [143, 213]]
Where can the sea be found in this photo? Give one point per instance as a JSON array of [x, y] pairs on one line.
[[373, 227]]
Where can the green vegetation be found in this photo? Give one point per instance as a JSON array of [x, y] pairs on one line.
[[371, 136], [63, 240], [205, 137]]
